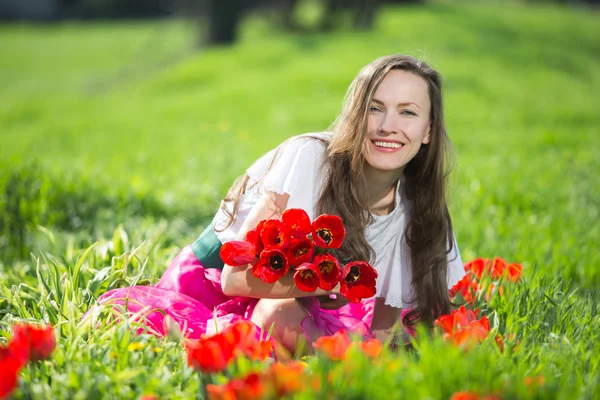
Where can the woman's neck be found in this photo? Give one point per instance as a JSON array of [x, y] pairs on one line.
[[381, 190]]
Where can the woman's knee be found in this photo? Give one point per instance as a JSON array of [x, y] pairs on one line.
[[285, 315], [279, 311]]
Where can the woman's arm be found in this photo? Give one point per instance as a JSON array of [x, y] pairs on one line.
[[239, 281], [386, 321]]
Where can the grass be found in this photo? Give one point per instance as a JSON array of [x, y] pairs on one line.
[[118, 134]]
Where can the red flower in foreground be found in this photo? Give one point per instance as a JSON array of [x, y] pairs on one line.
[[472, 396], [371, 348], [220, 392], [329, 271], [296, 222], [40, 340], [463, 328], [300, 251], [271, 266], [334, 346], [306, 277], [258, 351], [214, 353], [10, 365], [328, 231], [273, 235], [358, 281], [457, 320], [236, 253], [287, 378], [210, 354], [253, 386]]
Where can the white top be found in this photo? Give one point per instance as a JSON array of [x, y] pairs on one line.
[[297, 171]]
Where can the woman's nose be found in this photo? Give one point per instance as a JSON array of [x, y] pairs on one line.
[[389, 124]]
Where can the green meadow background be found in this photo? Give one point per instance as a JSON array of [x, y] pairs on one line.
[[122, 135]]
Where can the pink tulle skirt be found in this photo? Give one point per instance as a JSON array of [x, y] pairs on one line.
[[190, 296]]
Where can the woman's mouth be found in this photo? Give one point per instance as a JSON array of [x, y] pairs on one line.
[[386, 146]]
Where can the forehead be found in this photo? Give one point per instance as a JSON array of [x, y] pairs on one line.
[[403, 87]]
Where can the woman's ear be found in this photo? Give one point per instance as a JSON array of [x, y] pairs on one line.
[[427, 137]]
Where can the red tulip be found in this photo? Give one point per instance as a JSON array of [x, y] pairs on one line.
[[287, 378], [273, 235], [220, 392], [467, 287], [514, 272], [39, 338], [371, 348], [253, 386], [211, 354], [334, 346], [497, 267], [296, 222], [328, 231], [463, 328], [236, 253], [271, 266], [254, 236], [306, 277], [358, 281], [477, 266], [10, 365], [259, 350], [300, 251], [329, 271]]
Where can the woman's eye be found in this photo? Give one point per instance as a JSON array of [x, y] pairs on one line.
[[408, 112], [374, 109]]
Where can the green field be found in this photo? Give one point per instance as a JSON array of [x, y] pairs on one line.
[[121, 134]]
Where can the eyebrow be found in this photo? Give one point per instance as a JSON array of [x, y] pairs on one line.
[[399, 104]]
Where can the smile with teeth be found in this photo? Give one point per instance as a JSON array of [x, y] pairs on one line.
[[389, 145]]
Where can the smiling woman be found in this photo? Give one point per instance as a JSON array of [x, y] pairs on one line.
[[381, 168]]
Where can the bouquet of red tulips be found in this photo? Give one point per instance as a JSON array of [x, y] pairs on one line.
[[295, 243]]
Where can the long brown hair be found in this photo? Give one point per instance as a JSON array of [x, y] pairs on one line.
[[428, 233]]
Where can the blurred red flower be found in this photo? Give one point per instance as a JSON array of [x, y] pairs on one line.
[[463, 328], [271, 266], [296, 222], [514, 272], [472, 396], [274, 236], [329, 271], [300, 251], [220, 392], [358, 281], [236, 253], [287, 378], [328, 231], [371, 348], [210, 354], [258, 350], [10, 365], [335, 346], [253, 386], [306, 277], [39, 338]]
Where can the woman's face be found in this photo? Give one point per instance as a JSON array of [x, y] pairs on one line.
[[398, 121]]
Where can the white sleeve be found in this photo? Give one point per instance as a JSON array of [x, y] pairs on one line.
[[292, 168], [456, 270]]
